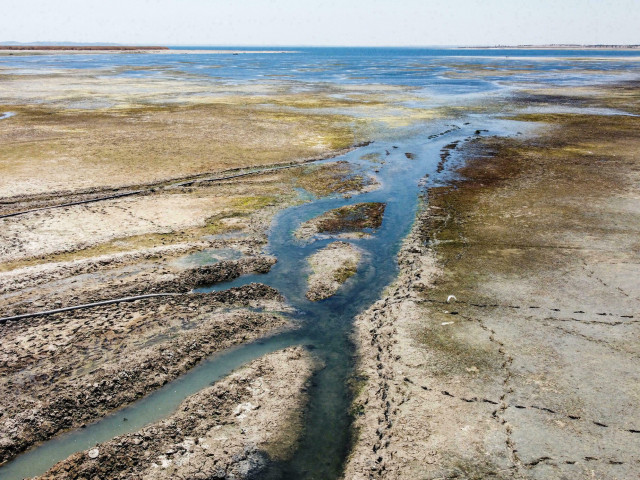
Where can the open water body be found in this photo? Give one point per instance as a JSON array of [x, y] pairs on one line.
[[325, 326], [418, 67]]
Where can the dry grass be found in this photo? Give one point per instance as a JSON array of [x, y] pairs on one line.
[[43, 150]]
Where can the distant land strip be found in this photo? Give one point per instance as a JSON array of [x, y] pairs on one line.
[[78, 47], [561, 47]]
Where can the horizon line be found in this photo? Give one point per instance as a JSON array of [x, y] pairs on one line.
[[228, 45]]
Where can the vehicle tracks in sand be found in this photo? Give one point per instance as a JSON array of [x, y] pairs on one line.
[[188, 182]]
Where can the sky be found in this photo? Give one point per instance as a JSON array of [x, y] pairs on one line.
[[322, 22]]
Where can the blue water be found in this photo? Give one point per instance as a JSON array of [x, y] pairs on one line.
[[325, 326], [415, 67]]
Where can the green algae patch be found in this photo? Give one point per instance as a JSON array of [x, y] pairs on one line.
[[250, 204], [345, 272]]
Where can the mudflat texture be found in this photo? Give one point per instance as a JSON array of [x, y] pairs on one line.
[[230, 430], [144, 179], [63, 370], [350, 221], [533, 370], [157, 143], [330, 268]]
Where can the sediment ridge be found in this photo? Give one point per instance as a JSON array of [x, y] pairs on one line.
[[233, 429]]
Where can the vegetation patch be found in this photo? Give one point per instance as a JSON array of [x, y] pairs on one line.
[[331, 178], [331, 267], [518, 201], [356, 220], [345, 272], [353, 218]]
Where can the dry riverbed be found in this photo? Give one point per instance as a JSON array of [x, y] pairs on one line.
[[62, 370], [531, 371], [125, 188]]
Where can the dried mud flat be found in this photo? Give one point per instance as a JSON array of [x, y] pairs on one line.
[[330, 268], [63, 369], [232, 430], [531, 371]]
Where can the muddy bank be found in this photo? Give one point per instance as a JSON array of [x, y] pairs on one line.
[[330, 268], [100, 154], [531, 371], [233, 429], [160, 280], [60, 371], [350, 221], [31, 276]]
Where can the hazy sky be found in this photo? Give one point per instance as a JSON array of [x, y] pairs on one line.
[[322, 22]]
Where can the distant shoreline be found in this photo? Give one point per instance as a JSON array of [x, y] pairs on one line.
[[106, 49], [555, 47], [79, 47], [163, 50]]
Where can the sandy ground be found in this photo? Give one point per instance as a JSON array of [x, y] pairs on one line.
[[330, 268], [81, 226], [531, 372], [230, 430]]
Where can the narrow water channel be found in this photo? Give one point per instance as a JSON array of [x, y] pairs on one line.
[[325, 326]]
